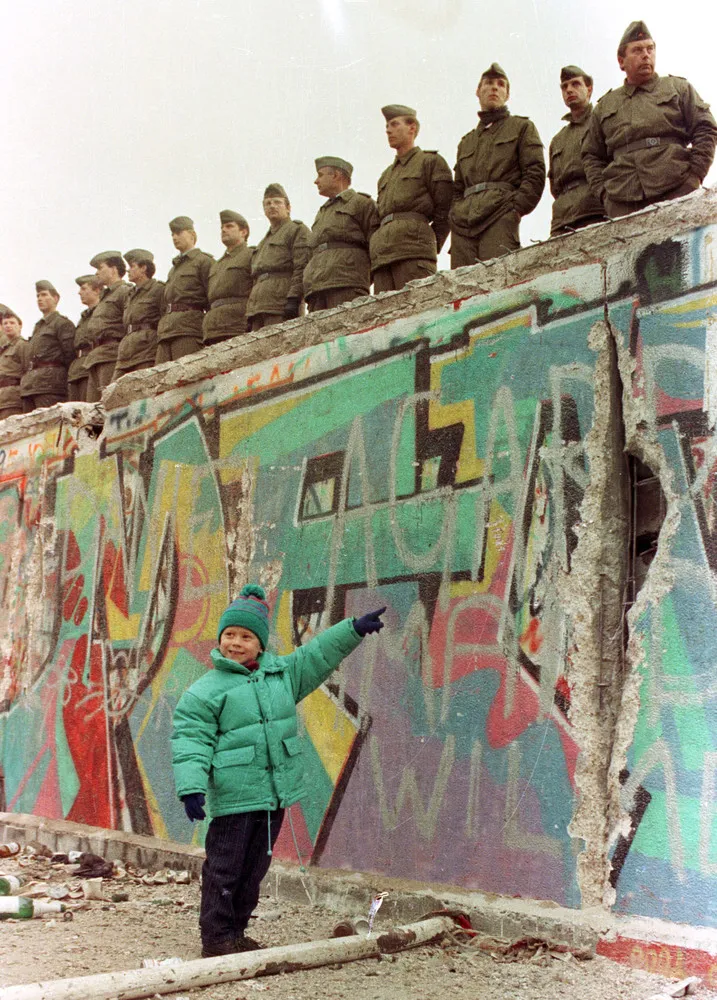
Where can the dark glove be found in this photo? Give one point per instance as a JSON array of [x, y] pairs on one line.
[[291, 309], [369, 623], [193, 806]]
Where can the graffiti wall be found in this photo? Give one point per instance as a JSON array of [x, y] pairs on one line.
[[436, 465], [669, 332]]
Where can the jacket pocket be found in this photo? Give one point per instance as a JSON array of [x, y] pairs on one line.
[[292, 745], [229, 758]]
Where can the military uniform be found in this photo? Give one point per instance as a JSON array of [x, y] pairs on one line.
[[338, 269], [185, 297], [48, 354], [12, 366], [635, 151], [142, 311], [106, 326], [575, 205], [277, 269], [228, 288], [414, 198]]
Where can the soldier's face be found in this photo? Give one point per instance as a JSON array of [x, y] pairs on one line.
[[231, 235], [492, 92], [276, 209], [11, 327], [106, 274], [88, 295], [399, 133], [46, 302], [183, 240], [638, 63], [576, 93], [136, 273], [328, 182]]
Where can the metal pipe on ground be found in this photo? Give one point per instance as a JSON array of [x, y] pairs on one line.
[[137, 983]]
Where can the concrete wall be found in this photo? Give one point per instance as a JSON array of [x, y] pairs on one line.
[[456, 451]]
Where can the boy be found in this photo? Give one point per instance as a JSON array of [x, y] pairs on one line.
[[235, 738]]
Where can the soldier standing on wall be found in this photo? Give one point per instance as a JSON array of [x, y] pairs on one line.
[[12, 363], [414, 198], [50, 351], [652, 139], [499, 176], [185, 295], [575, 205], [90, 292], [106, 324], [142, 311], [338, 269], [278, 264], [229, 281]]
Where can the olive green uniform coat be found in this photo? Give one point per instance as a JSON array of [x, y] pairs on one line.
[[507, 156], [142, 312], [635, 151], [77, 372], [50, 351], [574, 204], [106, 325], [235, 732], [228, 293], [277, 268], [187, 284], [339, 244], [419, 183], [12, 365]]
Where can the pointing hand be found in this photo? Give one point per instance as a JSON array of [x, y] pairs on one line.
[[369, 623]]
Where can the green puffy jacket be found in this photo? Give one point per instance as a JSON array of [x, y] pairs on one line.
[[235, 730]]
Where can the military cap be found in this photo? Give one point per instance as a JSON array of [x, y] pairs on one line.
[[226, 215], [397, 111], [336, 162], [570, 72], [636, 31], [275, 191], [495, 70], [85, 279], [7, 311], [46, 286], [138, 256], [102, 258], [181, 223]]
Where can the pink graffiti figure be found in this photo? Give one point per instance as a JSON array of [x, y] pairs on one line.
[[375, 907]]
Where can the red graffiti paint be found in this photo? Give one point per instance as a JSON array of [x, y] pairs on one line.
[[532, 637]]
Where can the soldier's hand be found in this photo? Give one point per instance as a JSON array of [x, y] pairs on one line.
[[291, 309], [369, 623]]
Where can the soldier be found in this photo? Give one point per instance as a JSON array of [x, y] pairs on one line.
[[90, 292], [106, 324], [575, 205], [278, 264], [12, 363], [142, 311], [185, 295], [49, 353], [229, 281], [499, 176], [338, 269], [414, 198], [650, 140]]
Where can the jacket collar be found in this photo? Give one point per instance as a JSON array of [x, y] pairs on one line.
[[630, 88], [407, 156], [569, 118], [267, 664]]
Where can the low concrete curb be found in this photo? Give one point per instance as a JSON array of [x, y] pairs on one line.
[[674, 950]]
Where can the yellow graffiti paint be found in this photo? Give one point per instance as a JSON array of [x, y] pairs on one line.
[[329, 729]]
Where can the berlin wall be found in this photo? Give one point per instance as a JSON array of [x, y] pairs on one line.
[[518, 460]]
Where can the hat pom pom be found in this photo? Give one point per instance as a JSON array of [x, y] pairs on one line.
[[253, 590]]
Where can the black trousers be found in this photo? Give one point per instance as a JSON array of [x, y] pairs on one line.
[[237, 860]]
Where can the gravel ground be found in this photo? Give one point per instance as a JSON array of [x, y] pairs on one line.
[[160, 921]]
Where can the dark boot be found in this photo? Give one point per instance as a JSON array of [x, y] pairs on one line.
[[245, 943], [214, 948]]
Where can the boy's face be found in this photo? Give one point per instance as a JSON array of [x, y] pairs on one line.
[[239, 644]]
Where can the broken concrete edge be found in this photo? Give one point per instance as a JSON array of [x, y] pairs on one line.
[[643, 942], [445, 290], [75, 416]]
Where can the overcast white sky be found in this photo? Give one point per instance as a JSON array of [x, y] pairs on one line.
[[115, 117]]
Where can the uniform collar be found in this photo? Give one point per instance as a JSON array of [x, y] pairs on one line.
[[341, 196], [185, 256], [232, 252], [630, 88], [569, 118], [407, 156]]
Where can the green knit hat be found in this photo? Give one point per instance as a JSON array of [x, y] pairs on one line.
[[251, 611]]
